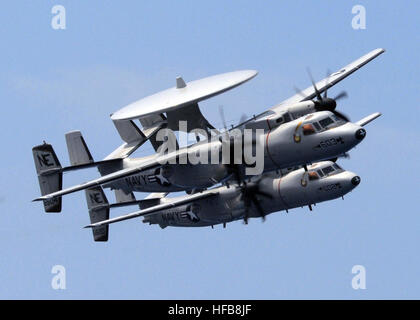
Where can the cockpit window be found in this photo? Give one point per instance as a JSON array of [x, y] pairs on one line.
[[326, 122], [327, 170], [317, 126], [308, 129], [335, 118], [313, 175]]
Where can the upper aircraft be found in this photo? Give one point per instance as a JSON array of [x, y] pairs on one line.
[[303, 129]]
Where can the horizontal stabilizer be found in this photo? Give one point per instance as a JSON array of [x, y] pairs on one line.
[[157, 195], [150, 163], [92, 165], [147, 164], [152, 200]]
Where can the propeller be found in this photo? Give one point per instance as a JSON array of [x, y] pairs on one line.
[[324, 103], [345, 155], [222, 116], [249, 193], [242, 119], [235, 169]]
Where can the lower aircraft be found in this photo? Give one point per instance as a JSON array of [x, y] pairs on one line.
[[256, 197]]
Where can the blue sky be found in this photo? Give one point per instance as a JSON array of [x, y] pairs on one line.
[[54, 81]]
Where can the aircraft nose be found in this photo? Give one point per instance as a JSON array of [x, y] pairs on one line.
[[355, 180], [360, 134]]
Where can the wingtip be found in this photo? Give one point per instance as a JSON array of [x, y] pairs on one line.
[[368, 119], [252, 73], [377, 114]]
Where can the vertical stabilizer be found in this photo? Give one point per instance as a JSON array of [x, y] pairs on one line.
[[50, 175], [79, 153], [98, 207]]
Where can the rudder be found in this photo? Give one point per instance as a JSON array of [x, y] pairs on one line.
[[98, 207], [50, 175]]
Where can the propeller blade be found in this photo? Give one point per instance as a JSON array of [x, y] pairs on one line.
[[249, 194], [318, 95], [345, 155], [258, 206], [264, 194], [328, 80], [341, 95], [341, 115], [222, 116], [246, 215], [235, 169], [246, 200], [243, 118], [299, 92]]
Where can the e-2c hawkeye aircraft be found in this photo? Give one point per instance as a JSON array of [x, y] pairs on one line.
[[253, 198], [300, 130]]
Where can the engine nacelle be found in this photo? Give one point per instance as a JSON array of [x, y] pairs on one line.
[[301, 109], [277, 117]]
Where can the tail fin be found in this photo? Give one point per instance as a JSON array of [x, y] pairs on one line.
[[122, 197], [49, 173], [128, 131], [98, 207], [150, 124], [79, 153]]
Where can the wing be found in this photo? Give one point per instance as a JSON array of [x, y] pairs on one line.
[[368, 119], [333, 79], [147, 164], [159, 207]]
